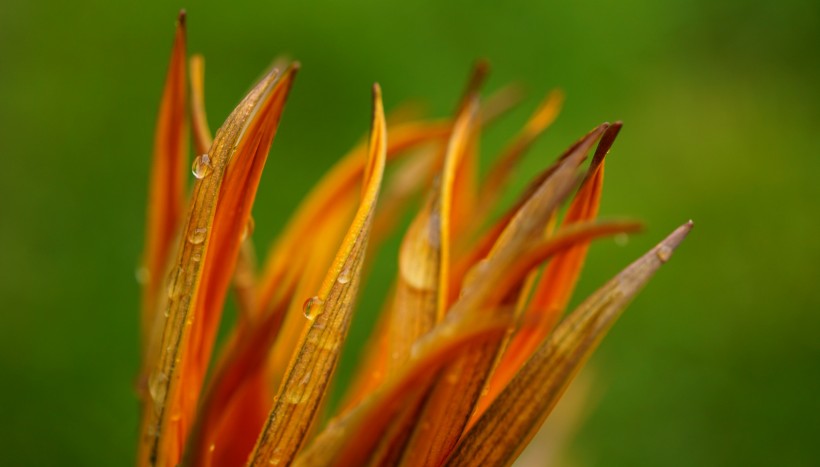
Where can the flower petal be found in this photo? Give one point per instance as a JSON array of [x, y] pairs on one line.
[[421, 290], [511, 421], [350, 438], [448, 410], [202, 133], [220, 207], [309, 373], [167, 186], [556, 284]]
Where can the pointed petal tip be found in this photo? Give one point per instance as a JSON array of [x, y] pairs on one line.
[[482, 66], [665, 249], [181, 17], [377, 91]]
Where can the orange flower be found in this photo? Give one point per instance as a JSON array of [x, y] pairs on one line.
[[470, 354]]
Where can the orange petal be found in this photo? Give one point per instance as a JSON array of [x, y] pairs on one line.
[[558, 281], [167, 185], [447, 410], [351, 438], [515, 416], [220, 207], [326, 196], [308, 376]]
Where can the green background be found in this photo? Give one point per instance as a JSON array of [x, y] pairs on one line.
[[716, 363]]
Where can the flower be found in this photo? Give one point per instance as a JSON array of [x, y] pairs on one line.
[[470, 354]]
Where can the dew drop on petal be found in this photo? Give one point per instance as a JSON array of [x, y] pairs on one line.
[[201, 167], [198, 235], [157, 385], [174, 283], [664, 253], [313, 307], [275, 460], [296, 395], [344, 276]]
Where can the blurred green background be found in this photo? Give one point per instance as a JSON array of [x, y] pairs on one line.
[[716, 363]]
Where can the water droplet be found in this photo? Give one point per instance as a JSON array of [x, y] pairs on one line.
[[297, 395], [198, 235], [344, 276], [249, 226], [174, 283], [196, 256], [157, 386], [142, 274], [664, 253], [313, 307], [212, 447], [201, 166]]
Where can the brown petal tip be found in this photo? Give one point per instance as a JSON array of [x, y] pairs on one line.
[[665, 248]]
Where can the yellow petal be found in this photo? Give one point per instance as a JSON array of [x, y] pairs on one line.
[[308, 376], [511, 421], [202, 133]]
